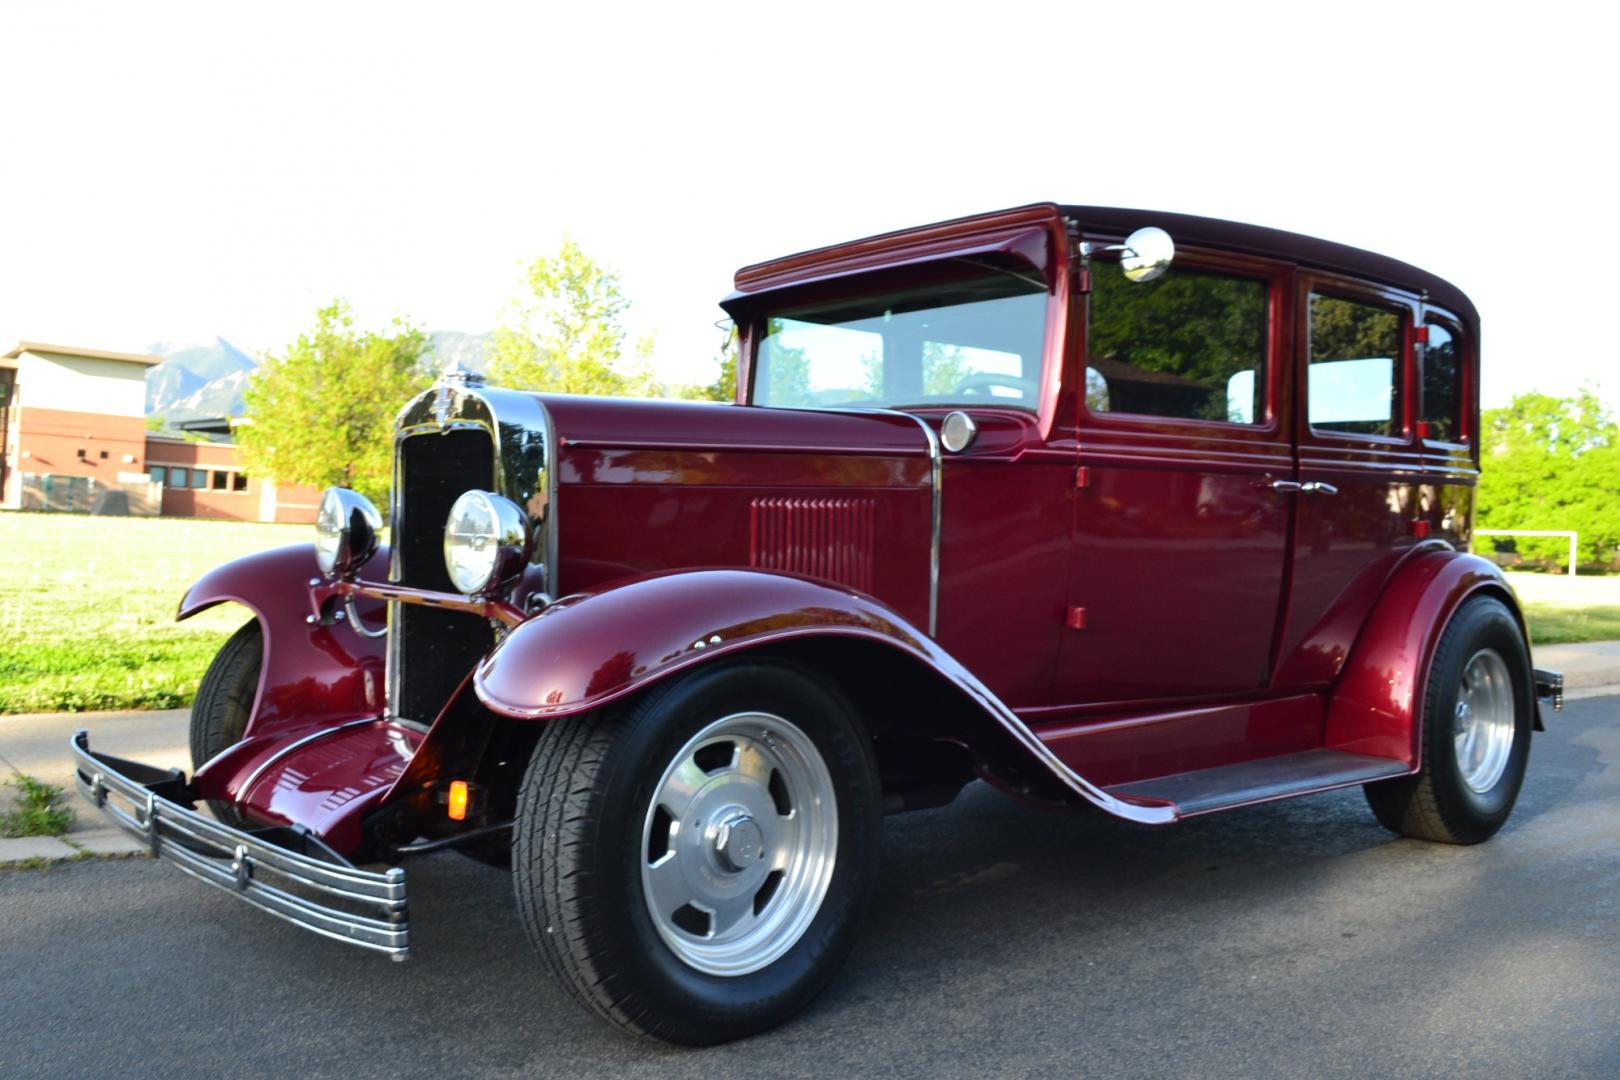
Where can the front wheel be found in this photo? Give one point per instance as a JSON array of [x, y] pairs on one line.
[[1477, 715], [224, 701], [694, 866]]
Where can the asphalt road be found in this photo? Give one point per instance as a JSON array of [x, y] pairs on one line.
[[1291, 940]]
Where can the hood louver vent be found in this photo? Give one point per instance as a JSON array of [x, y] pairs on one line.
[[831, 539]]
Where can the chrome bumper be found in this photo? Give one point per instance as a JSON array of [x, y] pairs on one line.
[[1550, 684], [284, 871]]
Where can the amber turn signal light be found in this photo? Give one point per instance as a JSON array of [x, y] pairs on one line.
[[457, 807]]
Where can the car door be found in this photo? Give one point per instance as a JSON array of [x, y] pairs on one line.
[[1179, 538], [1359, 467]]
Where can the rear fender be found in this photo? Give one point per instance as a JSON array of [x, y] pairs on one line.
[[591, 649], [312, 675], [1377, 704]]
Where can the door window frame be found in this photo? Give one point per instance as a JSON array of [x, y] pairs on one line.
[[1408, 307], [1466, 372], [1276, 276]]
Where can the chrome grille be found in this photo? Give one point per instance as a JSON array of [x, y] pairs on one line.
[[432, 650]]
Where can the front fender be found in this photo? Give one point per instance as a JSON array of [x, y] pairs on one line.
[[1377, 703], [311, 673], [591, 649]]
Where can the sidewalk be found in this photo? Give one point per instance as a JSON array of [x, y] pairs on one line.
[[37, 744], [1591, 669]]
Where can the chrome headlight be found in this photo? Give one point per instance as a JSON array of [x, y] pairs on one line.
[[486, 542], [346, 529]]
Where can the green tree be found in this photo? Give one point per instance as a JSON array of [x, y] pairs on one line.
[[322, 412], [1552, 463], [566, 334]]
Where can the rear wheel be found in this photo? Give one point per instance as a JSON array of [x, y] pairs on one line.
[[224, 701], [1476, 733], [693, 867]]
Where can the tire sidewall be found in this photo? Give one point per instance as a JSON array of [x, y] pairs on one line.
[[1483, 623], [699, 1005]]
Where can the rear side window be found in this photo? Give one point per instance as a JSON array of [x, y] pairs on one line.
[[1355, 357], [1442, 383], [1189, 345]]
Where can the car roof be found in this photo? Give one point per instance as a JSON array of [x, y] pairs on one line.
[[1296, 247], [1186, 229]]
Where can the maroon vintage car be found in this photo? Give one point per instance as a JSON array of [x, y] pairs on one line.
[[1007, 498]]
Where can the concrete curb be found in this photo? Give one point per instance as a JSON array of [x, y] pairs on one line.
[[100, 843]]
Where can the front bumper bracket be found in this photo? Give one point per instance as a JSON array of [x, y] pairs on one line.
[[284, 870]]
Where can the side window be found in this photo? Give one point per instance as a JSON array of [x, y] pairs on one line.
[[1442, 382], [1353, 383], [1189, 345]]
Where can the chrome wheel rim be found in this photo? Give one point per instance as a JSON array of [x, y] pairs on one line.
[[1483, 734], [738, 844]]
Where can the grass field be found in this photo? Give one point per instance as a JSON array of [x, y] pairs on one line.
[[87, 607], [1562, 609]]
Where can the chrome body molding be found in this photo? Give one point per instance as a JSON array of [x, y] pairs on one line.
[[936, 468], [1139, 812], [320, 892]]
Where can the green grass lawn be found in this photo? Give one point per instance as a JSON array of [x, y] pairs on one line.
[[1562, 609], [87, 607]]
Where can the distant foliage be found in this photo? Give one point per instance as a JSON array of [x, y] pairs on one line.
[[322, 413], [1552, 463], [724, 387], [566, 334]]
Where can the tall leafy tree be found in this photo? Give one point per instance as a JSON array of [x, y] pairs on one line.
[[566, 333], [322, 412], [1552, 463]]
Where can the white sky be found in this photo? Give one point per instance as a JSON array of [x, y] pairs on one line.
[[171, 173]]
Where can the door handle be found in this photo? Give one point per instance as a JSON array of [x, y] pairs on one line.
[[1287, 487], [1318, 487]]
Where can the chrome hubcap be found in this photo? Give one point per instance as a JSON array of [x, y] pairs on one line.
[[1483, 733], [738, 844]]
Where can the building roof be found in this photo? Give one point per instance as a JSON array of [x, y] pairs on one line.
[[75, 350]]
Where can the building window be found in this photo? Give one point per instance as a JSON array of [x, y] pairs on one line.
[[104, 455], [239, 481], [178, 477], [157, 473], [1355, 354], [221, 480], [81, 453], [199, 478]]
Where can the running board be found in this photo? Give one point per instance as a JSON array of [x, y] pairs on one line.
[[1207, 790]]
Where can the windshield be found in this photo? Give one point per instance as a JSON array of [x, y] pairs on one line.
[[974, 341]]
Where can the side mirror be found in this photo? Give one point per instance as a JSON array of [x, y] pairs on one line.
[[1146, 253]]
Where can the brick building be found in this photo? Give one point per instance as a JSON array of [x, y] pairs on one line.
[[73, 435]]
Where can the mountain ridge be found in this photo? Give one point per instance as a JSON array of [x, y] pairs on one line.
[[195, 381]]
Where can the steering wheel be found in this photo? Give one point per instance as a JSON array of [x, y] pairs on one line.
[[981, 382]]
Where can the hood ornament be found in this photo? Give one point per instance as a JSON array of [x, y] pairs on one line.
[[457, 372]]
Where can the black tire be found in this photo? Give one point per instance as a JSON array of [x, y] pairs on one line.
[[579, 848], [224, 701], [1436, 803]]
